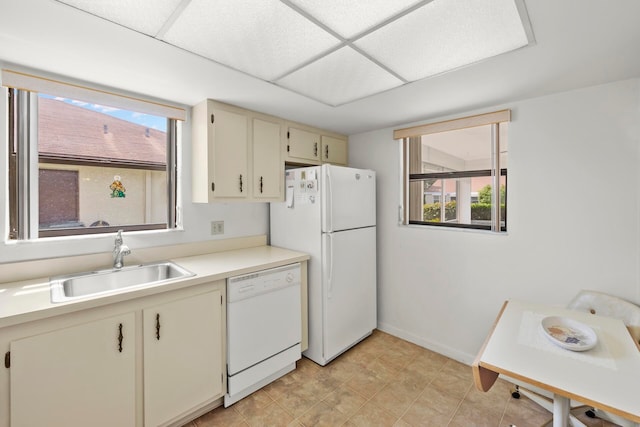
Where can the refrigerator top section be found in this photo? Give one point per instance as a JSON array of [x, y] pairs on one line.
[[345, 196]]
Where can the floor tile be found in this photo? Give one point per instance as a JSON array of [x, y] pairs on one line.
[[323, 415], [431, 407], [382, 381], [270, 416], [396, 397], [370, 415], [220, 417], [345, 401]]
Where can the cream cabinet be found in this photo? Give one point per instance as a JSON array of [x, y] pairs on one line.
[[334, 150], [303, 146], [268, 167], [235, 154], [240, 155], [182, 356], [310, 146], [76, 376], [220, 149], [157, 360]]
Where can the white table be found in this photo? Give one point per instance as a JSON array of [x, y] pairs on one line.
[[606, 377]]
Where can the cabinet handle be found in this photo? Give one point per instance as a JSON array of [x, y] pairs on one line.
[[261, 184], [158, 326], [315, 149], [120, 338], [326, 152], [241, 183]]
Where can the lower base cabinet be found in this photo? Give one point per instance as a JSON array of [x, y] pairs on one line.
[[82, 375], [153, 361], [182, 357]]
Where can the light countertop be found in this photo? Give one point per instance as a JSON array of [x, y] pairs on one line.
[[30, 300]]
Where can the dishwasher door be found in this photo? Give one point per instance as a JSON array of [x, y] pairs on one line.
[[263, 316]]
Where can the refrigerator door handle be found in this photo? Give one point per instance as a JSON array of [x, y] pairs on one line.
[[330, 281], [327, 202]]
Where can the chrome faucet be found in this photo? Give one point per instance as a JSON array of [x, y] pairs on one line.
[[119, 251]]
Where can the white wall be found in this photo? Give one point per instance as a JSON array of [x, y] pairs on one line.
[[240, 219], [574, 217]]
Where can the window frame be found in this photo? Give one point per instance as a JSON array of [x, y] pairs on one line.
[[462, 174], [413, 136], [24, 168]]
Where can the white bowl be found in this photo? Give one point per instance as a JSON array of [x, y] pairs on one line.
[[568, 333]]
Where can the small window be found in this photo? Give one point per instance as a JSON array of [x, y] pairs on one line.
[[451, 170], [79, 167]]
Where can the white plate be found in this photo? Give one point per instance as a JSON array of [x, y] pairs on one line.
[[569, 333]]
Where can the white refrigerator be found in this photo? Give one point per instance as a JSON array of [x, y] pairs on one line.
[[329, 212]]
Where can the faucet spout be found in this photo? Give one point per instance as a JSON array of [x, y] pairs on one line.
[[120, 250]]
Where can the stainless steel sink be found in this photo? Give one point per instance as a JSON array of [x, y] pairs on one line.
[[92, 283]]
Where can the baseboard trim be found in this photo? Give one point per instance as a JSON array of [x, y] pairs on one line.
[[452, 353]]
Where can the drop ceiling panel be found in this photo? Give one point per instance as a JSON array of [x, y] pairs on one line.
[[264, 38], [145, 16], [333, 51], [350, 18], [340, 77], [444, 35]]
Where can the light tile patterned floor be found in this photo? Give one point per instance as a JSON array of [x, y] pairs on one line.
[[383, 381]]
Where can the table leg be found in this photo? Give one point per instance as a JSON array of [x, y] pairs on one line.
[[560, 411]]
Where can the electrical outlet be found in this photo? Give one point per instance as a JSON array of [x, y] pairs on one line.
[[217, 227]]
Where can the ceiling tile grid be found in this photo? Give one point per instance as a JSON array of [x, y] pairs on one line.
[[444, 35], [351, 18], [261, 38], [144, 16], [333, 51], [340, 77]]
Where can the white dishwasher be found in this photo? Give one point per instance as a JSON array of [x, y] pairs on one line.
[[263, 329]]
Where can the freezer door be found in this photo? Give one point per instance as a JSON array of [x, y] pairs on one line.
[[296, 222], [349, 288], [349, 198]]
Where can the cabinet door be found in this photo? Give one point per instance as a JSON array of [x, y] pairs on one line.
[[182, 356], [334, 150], [230, 138], [268, 168], [303, 145], [78, 376]]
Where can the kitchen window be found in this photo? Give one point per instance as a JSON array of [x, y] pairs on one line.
[[87, 161], [451, 170]]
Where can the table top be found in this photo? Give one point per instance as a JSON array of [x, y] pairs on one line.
[[607, 376]]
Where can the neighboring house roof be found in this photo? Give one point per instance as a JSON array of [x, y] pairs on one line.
[[69, 132]]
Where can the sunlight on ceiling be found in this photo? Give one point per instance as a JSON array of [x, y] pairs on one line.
[[333, 51]]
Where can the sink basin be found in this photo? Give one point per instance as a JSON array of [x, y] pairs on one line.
[[91, 283]]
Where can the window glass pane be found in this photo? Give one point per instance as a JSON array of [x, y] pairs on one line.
[[457, 150], [109, 164], [457, 200]]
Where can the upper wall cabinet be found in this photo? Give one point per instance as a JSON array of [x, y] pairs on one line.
[[236, 154], [310, 146], [303, 146], [268, 167], [334, 150], [240, 155]]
